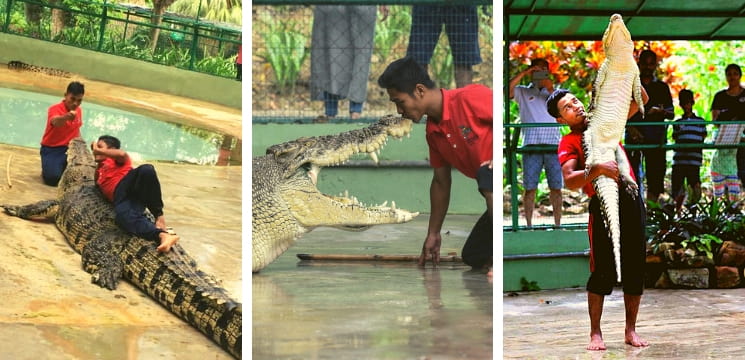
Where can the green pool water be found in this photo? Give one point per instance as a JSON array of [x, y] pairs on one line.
[[24, 114]]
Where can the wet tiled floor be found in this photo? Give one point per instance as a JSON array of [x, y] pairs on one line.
[[679, 324], [367, 310]]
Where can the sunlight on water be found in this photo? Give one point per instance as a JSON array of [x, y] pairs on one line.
[[24, 115]]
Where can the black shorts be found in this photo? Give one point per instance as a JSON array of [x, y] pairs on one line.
[[633, 247], [485, 179]]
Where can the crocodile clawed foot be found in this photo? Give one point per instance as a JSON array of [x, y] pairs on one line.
[[106, 278], [632, 189]]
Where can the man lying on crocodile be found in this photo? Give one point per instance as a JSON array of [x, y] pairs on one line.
[[459, 135], [131, 191]]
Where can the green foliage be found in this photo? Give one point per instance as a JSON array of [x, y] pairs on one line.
[[285, 49], [702, 244], [82, 28], [526, 285], [392, 32], [441, 64], [701, 227]]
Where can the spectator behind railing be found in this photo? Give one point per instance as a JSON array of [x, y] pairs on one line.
[[659, 108], [532, 102]]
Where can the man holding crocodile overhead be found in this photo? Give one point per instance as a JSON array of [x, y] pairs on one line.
[[569, 110], [459, 134]]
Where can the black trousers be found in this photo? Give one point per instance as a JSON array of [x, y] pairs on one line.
[[478, 249], [137, 190]]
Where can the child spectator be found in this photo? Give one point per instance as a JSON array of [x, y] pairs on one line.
[[687, 161]]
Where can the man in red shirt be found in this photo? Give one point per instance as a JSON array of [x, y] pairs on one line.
[[64, 120], [567, 109], [131, 191], [459, 134]]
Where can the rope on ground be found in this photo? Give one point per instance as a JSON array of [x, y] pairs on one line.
[[7, 171]]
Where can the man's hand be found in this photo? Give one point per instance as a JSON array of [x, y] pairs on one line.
[[487, 162], [431, 249], [609, 169], [71, 115]]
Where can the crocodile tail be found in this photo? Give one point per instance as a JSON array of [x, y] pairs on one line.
[[190, 294], [607, 190]]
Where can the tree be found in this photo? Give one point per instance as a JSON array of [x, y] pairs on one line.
[[159, 8], [228, 11]]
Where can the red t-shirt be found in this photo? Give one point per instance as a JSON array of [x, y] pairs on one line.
[[463, 138], [61, 135], [109, 175]]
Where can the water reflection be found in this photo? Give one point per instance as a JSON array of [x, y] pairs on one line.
[[363, 310], [24, 116]]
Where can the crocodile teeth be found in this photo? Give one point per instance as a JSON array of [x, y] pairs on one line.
[[313, 173], [384, 203], [393, 205], [374, 157]]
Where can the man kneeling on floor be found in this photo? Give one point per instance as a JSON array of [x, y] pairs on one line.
[[131, 191]]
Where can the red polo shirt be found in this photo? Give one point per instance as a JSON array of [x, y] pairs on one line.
[[463, 138], [109, 175], [61, 135]]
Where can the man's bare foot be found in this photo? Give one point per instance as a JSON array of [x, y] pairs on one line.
[[160, 222], [596, 342], [166, 241], [633, 339]]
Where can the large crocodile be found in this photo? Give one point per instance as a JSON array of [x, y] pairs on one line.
[[617, 81], [86, 219], [286, 202]]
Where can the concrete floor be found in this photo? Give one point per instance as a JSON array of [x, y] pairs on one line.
[[368, 310], [679, 324]]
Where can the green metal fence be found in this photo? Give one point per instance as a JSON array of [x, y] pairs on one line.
[[513, 150], [127, 30], [281, 62]]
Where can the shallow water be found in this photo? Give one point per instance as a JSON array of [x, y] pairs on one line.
[[24, 116], [365, 310]]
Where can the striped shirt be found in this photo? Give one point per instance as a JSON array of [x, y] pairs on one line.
[[688, 134]]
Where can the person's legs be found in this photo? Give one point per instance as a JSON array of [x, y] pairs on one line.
[[463, 75], [677, 191], [355, 109], [633, 261], [477, 251], [426, 26], [138, 190], [555, 183], [462, 28], [631, 305], [595, 309], [733, 187], [532, 166], [741, 164], [331, 104], [602, 273], [655, 166], [53, 163]]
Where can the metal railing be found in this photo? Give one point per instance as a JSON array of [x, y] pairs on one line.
[[512, 149], [129, 31]]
